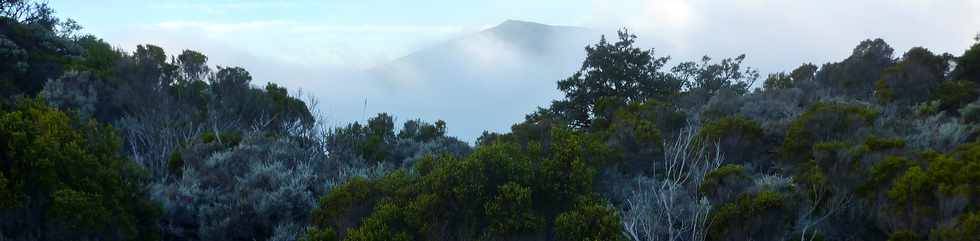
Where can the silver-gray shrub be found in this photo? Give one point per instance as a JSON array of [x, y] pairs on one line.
[[246, 191]]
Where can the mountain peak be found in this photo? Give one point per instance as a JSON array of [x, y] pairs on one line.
[[515, 22], [512, 25]]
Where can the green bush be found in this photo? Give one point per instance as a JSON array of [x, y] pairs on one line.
[[511, 211], [727, 174], [66, 180], [502, 190], [824, 121], [589, 220], [884, 171], [966, 228], [739, 137], [912, 185], [751, 216]]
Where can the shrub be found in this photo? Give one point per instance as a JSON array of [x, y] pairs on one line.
[[589, 220], [938, 132], [258, 189], [912, 185], [503, 190], [874, 143], [724, 183], [758, 216], [739, 137], [824, 122], [62, 179], [511, 211]]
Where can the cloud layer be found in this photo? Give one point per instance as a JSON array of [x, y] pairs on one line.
[[303, 44]]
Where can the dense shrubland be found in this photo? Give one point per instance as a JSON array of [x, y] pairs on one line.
[[875, 147]]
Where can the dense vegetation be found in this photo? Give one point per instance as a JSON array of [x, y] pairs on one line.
[[101, 144]]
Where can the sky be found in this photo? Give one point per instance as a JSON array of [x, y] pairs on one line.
[[309, 44]]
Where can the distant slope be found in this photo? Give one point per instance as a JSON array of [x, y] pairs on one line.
[[488, 79]]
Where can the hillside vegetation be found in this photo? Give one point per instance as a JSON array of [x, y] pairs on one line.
[[97, 143]]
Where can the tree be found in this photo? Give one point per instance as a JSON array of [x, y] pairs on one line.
[[617, 72], [782, 80], [29, 12], [913, 78], [968, 65], [707, 79], [193, 65], [856, 75]]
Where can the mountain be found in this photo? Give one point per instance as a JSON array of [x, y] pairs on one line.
[[489, 79]]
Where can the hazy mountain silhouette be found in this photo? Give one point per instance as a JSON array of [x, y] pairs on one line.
[[488, 79]]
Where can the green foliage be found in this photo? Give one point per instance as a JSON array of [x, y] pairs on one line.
[[354, 198], [99, 57], [422, 131], [704, 79], [824, 121], [738, 136], [886, 170], [968, 64], [874, 143], [31, 53], [960, 175], [966, 228], [68, 178], [614, 71], [913, 78], [737, 126], [910, 186], [856, 75], [501, 190], [289, 108], [955, 93], [748, 217], [718, 177], [916, 190], [589, 220], [782, 80], [511, 211], [883, 92]]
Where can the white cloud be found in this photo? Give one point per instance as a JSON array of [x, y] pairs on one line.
[[778, 35], [214, 28]]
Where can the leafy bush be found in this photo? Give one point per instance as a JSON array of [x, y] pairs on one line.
[[740, 137], [63, 179], [589, 220], [725, 183], [759, 216], [502, 190], [825, 121]]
